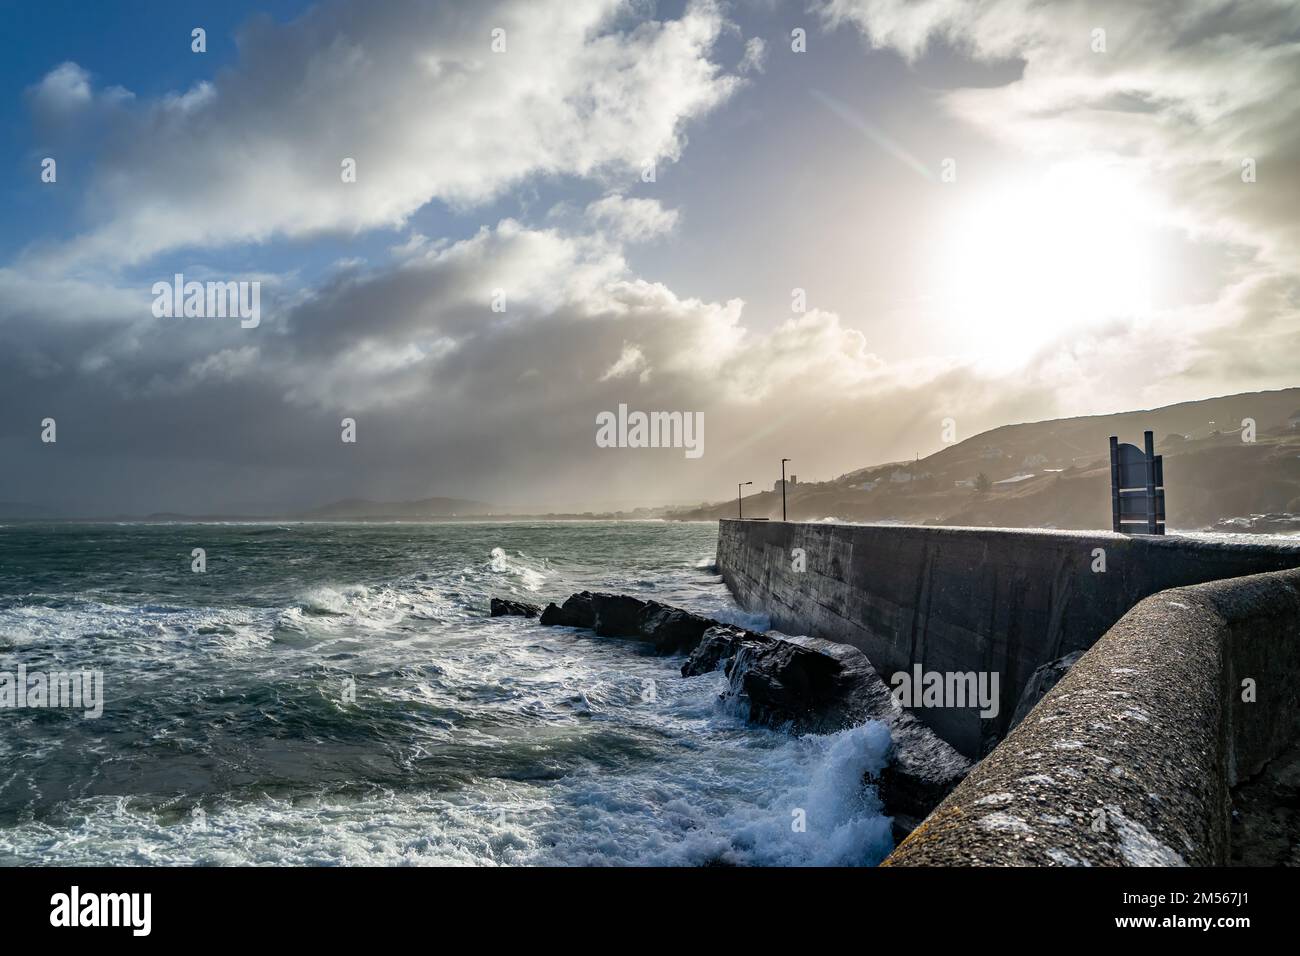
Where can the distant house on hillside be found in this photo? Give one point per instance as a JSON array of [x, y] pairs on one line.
[[902, 476], [1294, 420], [989, 452], [1033, 461], [869, 485]]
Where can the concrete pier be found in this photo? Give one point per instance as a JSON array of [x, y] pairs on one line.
[[967, 599], [1145, 751], [1131, 760]]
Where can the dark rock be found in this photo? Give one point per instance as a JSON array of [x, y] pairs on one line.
[[804, 684], [617, 615], [1043, 679], [717, 646], [816, 686], [921, 772], [1266, 810], [808, 684], [577, 611], [609, 615], [504, 608], [670, 629]]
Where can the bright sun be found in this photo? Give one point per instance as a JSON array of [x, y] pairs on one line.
[[1027, 261]]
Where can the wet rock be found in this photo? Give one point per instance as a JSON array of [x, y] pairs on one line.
[[922, 771], [808, 684], [1043, 679], [717, 647], [617, 615], [802, 684], [817, 686], [577, 611], [502, 607], [670, 630]]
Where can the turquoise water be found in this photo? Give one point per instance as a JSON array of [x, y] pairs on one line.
[[229, 736]]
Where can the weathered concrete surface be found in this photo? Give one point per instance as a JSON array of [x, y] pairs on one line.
[[1132, 757], [965, 599]]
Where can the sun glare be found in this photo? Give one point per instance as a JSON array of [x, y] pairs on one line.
[[1029, 260]]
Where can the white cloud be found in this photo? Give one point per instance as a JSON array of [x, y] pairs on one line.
[[443, 385], [64, 89], [755, 55], [1184, 90], [632, 220], [630, 361], [415, 95]]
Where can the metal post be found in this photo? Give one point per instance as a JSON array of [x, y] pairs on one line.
[[1150, 441], [783, 461], [740, 512], [1160, 493], [1114, 484]]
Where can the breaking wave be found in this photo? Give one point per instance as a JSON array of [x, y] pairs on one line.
[[343, 698]]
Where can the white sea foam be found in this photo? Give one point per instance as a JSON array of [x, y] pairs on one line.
[[739, 811], [470, 740], [518, 567]]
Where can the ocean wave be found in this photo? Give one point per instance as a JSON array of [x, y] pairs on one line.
[[125, 629], [336, 601], [329, 701], [519, 567], [800, 802]]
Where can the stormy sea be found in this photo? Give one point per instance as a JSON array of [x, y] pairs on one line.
[[336, 694]]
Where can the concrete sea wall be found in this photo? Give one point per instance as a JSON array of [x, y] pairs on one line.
[[1132, 758], [966, 599]]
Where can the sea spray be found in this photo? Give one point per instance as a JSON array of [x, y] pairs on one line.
[[462, 742]]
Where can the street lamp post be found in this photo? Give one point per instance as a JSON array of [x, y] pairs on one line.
[[783, 461], [740, 511]]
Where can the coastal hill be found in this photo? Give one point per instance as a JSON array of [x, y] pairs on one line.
[[1056, 474], [424, 508]]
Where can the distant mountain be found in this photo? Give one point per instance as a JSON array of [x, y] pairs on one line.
[[1057, 473], [424, 508]]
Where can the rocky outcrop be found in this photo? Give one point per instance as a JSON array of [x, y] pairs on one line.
[[1044, 678], [505, 608], [814, 686], [577, 611], [717, 647], [808, 685], [670, 630], [922, 771], [801, 684]]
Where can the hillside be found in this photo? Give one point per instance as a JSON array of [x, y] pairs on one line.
[[424, 508], [1060, 473]]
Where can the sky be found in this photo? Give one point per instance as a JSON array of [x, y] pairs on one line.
[[823, 227]]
